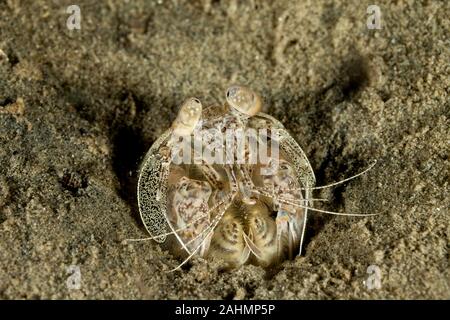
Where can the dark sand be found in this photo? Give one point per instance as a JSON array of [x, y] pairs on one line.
[[79, 109]]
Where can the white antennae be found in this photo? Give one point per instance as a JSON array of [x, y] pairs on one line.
[[296, 204], [168, 233], [342, 181]]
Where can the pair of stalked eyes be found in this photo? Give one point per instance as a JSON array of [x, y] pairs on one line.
[[240, 98]]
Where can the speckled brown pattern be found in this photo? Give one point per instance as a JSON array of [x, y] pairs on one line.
[[79, 109]]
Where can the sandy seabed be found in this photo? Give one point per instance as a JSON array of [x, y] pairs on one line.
[[79, 109]]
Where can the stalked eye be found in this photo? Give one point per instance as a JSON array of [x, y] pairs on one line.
[[244, 100], [232, 92], [188, 117], [193, 107]]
